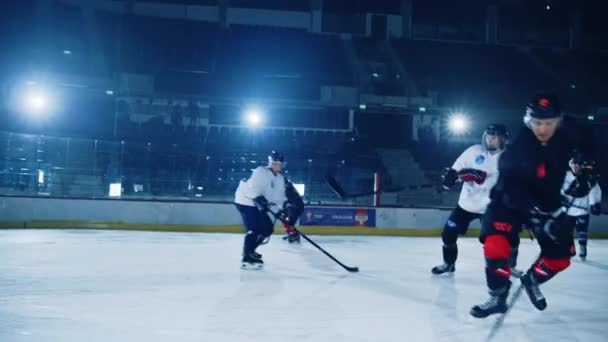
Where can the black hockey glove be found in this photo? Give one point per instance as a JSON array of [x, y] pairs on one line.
[[547, 225], [282, 214], [596, 209], [450, 177], [580, 187], [261, 203]]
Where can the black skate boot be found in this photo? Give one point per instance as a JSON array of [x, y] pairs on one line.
[[293, 238], [443, 268], [255, 255], [450, 254], [497, 303], [250, 262], [583, 252], [530, 283]]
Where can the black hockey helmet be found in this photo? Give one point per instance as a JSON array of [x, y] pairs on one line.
[[498, 130], [276, 157], [543, 106], [577, 159], [581, 160]]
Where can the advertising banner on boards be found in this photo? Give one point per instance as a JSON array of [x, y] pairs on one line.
[[330, 216]]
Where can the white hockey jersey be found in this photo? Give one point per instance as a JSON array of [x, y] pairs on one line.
[[475, 197], [580, 206], [263, 182]]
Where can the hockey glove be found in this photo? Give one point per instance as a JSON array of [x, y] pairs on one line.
[[472, 175], [282, 214], [450, 177], [547, 225], [578, 188], [596, 209]]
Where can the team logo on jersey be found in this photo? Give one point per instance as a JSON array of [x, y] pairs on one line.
[[581, 220], [502, 226], [480, 159], [451, 224], [541, 171]]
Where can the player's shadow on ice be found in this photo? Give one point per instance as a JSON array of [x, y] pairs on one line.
[[594, 264], [313, 257], [445, 309]]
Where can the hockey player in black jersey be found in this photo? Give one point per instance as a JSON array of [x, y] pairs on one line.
[[531, 174], [293, 208]]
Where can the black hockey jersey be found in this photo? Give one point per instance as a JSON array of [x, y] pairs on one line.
[[532, 174]]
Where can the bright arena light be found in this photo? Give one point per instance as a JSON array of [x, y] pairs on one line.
[[254, 116], [36, 101], [458, 123]]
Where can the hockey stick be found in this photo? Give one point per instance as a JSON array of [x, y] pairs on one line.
[[348, 268], [339, 191], [500, 320]]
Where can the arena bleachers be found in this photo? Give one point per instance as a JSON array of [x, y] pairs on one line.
[[472, 74]]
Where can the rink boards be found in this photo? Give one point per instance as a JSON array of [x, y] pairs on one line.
[[31, 212]]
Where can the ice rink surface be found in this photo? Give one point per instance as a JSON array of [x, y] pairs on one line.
[[70, 285]]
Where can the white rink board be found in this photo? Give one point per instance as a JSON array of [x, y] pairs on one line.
[[13, 209]]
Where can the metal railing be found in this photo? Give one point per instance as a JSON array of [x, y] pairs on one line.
[[38, 165]]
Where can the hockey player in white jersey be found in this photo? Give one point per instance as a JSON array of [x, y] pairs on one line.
[[264, 190], [581, 195], [477, 169]]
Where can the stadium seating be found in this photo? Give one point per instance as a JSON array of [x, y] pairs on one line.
[[472, 74], [210, 167]]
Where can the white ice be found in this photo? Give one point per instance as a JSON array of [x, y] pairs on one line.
[[69, 285]]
